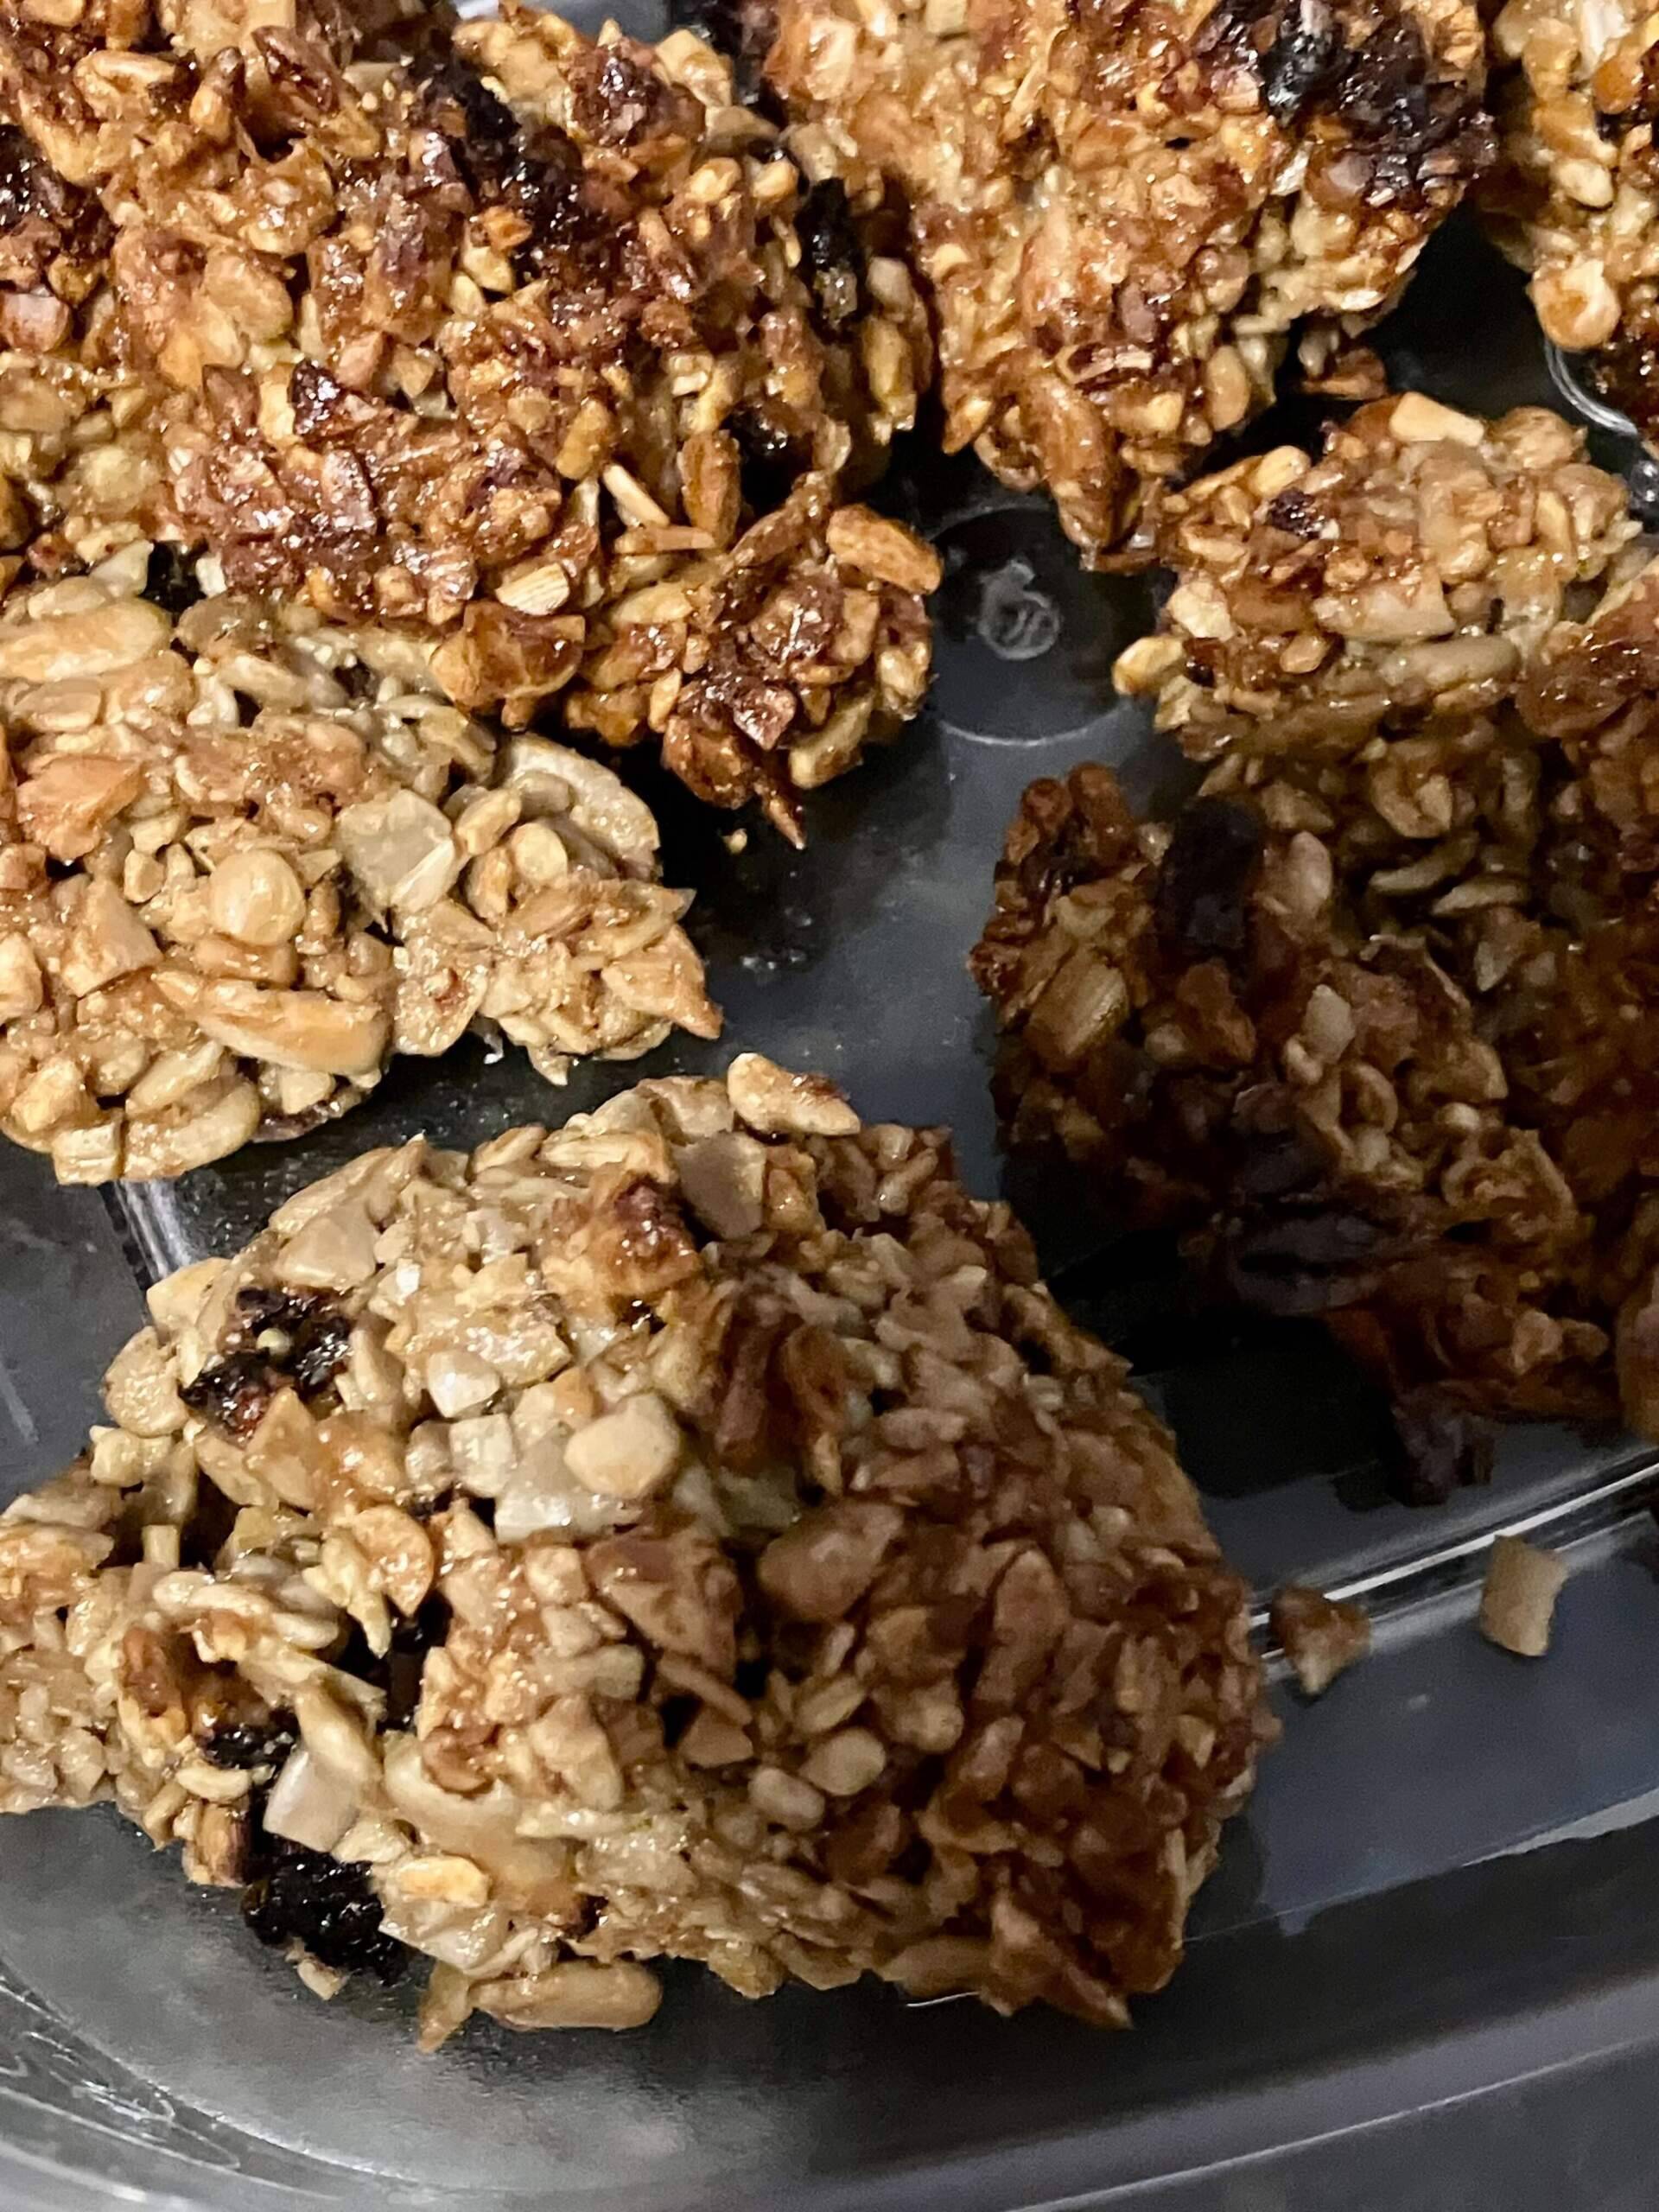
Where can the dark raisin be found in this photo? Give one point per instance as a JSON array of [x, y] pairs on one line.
[[1236, 31], [1303, 1260], [319, 1334], [1626, 371], [535, 169], [546, 184], [30, 186], [319, 1351], [1383, 91], [614, 103], [331, 1909], [1293, 511], [481, 130], [1202, 902], [832, 259], [742, 30], [1441, 1446], [245, 1747], [1302, 62], [1399, 113], [170, 581], [233, 1393], [259, 1309], [770, 463]]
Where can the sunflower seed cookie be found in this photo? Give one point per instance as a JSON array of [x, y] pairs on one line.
[[1377, 1037], [693, 1533], [1124, 218], [246, 855], [526, 342], [1404, 578], [1572, 196]]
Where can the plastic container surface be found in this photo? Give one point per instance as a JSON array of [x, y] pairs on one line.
[[1443, 1885]]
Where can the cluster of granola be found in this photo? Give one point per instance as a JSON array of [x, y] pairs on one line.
[[1574, 196], [1403, 580], [693, 1533], [246, 855], [1123, 214], [1378, 1028], [536, 344]]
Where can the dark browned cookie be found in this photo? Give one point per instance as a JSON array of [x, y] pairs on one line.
[[1124, 217], [536, 347], [1378, 1033]]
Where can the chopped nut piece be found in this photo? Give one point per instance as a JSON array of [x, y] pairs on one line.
[[255, 896], [577, 1994], [863, 540], [1322, 1637], [821, 1565], [774, 1649], [401, 850], [842, 1764], [776, 1103], [306, 1030], [629, 1454], [1517, 1601]]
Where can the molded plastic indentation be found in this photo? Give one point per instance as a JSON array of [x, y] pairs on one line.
[[1027, 636]]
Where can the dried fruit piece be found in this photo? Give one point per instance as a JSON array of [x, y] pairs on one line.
[[309, 1899]]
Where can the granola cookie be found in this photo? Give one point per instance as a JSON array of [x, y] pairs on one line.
[[533, 344], [1574, 196], [1122, 215], [246, 855], [1378, 1036], [696, 1533], [1404, 579]]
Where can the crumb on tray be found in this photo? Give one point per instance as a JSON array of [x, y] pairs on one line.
[[1322, 1637], [1518, 1602]]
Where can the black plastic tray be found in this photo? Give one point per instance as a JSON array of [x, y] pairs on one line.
[[1428, 1973]]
